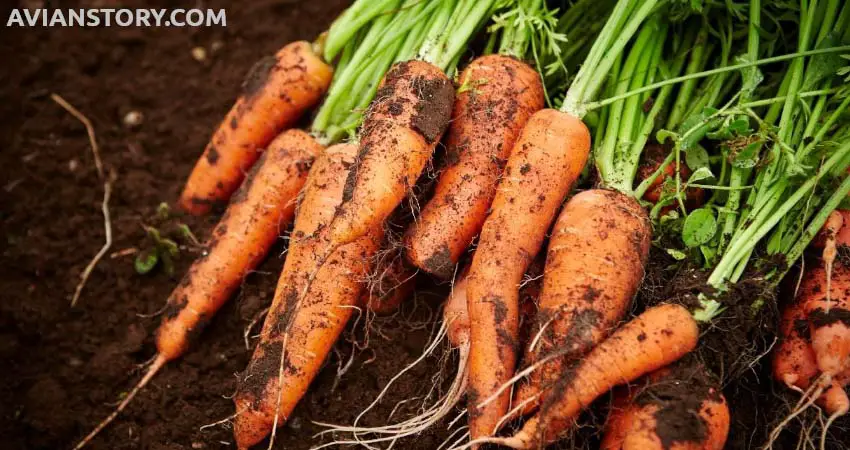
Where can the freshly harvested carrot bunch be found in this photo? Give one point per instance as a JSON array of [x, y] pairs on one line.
[[736, 172]]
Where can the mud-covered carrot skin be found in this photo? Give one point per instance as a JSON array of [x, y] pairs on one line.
[[829, 319], [673, 412], [304, 336], [595, 263], [654, 339], [405, 121], [276, 93], [794, 360], [258, 214], [497, 96], [545, 162]]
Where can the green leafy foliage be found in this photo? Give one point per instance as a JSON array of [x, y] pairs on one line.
[[163, 239], [699, 227], [696, 158]]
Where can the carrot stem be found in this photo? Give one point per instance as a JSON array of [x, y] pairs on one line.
[[706, 73]]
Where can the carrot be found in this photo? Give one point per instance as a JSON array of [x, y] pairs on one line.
[[498, 94], [277, 91], [828, 313], [795, 361], [403, 125], [257, 215], [392, 284], [595, 263], [654, 339], [678, 409], [546, 160], [296, 338], [455, 327], [653, 160]]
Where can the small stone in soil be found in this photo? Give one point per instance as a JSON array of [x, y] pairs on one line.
[[199, 54], [133, 119]]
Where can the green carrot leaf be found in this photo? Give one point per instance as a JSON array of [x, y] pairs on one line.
[[699, 227], [697, 158], [743, 152], [678, 255], [703, 173], [146, 260], [824, 65]]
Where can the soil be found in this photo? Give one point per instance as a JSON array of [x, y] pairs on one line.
[[65, 367]]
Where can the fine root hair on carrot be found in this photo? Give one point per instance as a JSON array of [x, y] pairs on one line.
[[258, 317], [454, 327], [809, 397], [152, 370], [355, 429]]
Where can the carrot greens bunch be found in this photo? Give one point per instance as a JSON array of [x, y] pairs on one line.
[[370, 36]]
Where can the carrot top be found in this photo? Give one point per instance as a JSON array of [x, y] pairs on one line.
[[371, 35], [769, 147]]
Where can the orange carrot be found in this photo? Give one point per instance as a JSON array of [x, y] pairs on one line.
[[679, 409], [392, 284], [595, 263], [654, 339], [653, 157], [828, 312], [257, 215], [456, 328], [498, 94], [296, 338], [545, 162], [403, 125], [794, 360], [276, 93]]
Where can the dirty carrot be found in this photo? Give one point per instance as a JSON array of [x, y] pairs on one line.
[[827, 308], [656, 338], [679, 407], [594, 266], [794, 363], [546, 161], [404, 123], [399, 134], [297, 338], [277, 91], [257, 215], [497, 96]]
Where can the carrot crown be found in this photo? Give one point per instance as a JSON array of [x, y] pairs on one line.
[[371, 35]]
